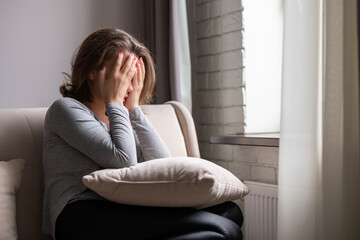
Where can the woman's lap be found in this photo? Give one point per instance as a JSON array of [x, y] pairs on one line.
[[93, 219], [228, 210]]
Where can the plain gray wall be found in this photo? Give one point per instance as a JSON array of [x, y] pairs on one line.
[[38, 39]]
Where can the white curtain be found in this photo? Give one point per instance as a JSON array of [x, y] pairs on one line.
[[319, 166], [179, 54]]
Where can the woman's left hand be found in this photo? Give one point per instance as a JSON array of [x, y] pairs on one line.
[[132, 100]]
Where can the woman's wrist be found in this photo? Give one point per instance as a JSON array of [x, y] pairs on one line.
[[131, 102], [118, 101], [135, 113], [115, 107], [132, 107]]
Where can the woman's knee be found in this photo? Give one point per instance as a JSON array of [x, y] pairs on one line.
[[229, 210]]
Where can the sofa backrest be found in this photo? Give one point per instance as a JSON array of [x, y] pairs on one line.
[[21, 134]]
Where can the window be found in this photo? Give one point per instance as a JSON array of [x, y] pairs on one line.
[[262, 40]]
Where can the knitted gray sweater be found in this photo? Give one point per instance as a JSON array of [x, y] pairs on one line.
[[77, 143]]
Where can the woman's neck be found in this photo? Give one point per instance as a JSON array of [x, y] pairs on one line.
[[97, 106]]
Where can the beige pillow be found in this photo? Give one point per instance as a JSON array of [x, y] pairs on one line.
[[168, 182], [10, 179]]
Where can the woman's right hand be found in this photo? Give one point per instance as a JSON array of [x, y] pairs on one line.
[[113, 87]]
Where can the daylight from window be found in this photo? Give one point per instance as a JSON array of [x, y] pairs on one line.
[[262, 40]]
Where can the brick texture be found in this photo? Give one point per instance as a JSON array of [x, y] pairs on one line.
[[221, 92]]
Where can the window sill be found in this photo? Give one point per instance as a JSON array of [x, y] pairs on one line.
[[254, 139]]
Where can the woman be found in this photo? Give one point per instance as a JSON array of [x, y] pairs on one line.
[[98, 124]]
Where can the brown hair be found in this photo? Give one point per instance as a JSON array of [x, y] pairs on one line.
[[95, 50]]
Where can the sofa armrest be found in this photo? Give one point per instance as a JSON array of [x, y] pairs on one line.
[[187, 127]]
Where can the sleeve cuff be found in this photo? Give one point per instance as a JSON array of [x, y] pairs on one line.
[[111, 107], [135, 113]]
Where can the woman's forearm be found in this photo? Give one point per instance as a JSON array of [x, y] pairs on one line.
[[151, 144], [71, 120]]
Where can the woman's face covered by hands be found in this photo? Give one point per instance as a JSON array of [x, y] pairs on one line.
[[121, 80]]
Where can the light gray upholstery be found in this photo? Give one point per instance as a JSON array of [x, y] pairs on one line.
[[21, 134]]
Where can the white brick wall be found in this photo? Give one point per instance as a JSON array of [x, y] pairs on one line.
[[220, 92]]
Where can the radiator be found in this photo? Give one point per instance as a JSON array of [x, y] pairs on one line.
[[260, 220]]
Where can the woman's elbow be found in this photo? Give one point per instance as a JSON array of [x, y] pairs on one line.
[[125, 160]]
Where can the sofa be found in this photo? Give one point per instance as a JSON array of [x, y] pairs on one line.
[[21, 135]]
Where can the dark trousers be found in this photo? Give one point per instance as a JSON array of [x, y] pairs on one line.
[[96, 219]]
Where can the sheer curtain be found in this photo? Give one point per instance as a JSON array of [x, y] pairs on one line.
[[180, 65], [319, 166]]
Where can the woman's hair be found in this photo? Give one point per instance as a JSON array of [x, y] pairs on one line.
[[98, 48]]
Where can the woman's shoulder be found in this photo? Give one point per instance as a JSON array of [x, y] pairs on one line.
[[67, 105], [66, 101]]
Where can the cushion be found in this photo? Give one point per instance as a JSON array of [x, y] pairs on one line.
[[168, 182], [10, 179]]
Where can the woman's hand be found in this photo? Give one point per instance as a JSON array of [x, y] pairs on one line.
[[113, 87], [138, 83]]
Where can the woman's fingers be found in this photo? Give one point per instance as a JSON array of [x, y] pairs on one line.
[[115, 86], [105, 91], [132, 69], [141, 72], [102, 75], [142, 66], [127, 67], [133, 64], [136, 76], [118, 63]]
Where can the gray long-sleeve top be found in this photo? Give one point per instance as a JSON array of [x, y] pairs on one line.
[[77, 142]]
